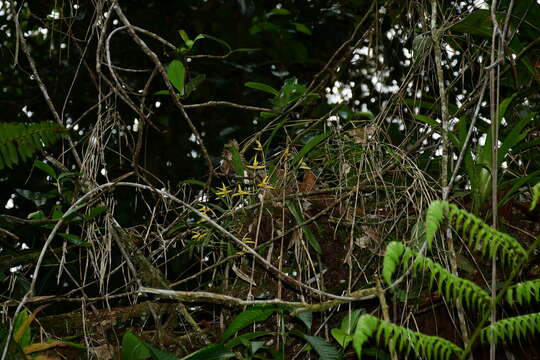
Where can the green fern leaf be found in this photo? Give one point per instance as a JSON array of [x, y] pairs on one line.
[[364, 329], [392, 258], [404, 340], [477, 234], [19, 142], [434, 217], [449, 285], [524, 293], [489, 241], [518, 327]]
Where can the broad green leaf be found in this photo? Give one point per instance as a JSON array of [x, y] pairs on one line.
[[211, 352], [176, 72], [21, 329], [248, 317], [74, 239], [45, 168], [302, 28], [307, 318], [348, 323], [134, 348], [342, 338], [309, 146], [323, 348], [36, 215], [95, 211], [427, 120], [262, 87], [477, 23], [238, 164]]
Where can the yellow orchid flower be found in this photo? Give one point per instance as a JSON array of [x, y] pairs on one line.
[[255, 165], [264, 184], [304, 166], [199, 235], [240, 192], [223, 191], [259, 145]]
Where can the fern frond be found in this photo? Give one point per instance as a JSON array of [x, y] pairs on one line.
[[518, 327], [434, 216], [404, 340], [19, 142], [524, 293], [476, 233], [449, 285], [536, 196]]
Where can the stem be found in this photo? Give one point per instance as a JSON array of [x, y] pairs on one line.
[[435, 33]]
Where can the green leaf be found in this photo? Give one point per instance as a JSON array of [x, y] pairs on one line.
[[307, 318], [162, 92], [236, 160], [211, 352], [74, 239], [278, 11], [322, 347], [176, 72], [427, 120], [184, 36], [134, 348], [248, 317], [309, 146], [36, 215], [262, 87], [193, 84], [256, 346], [312, 240], [45, 168], [342, 338], [240, 339], [22, 321], [302, 28], [477, 23], [95, 211], [348, 323]]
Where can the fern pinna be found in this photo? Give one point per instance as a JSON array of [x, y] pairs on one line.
[[524, 293], [403, 340], [19, 142], [476, 234], [517, 327], [451, 286]]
